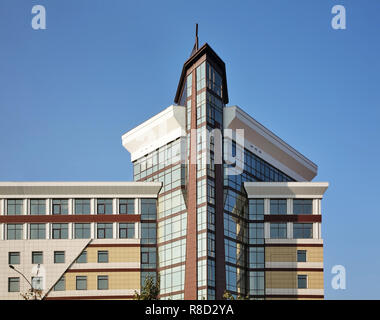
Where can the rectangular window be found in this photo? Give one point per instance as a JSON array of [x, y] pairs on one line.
[[102, 282], [60, 206], [14, 207], [148, 233], [126, 206], [14, 231], [14, 284], [303, 206], [60, 231], [37, 283], [59, 256], [104, 231], [148, 258], [302, 230], [38, 206], [102, 256], [82, 206], [82, 258], [126, 230], [256, 209], [302, 281], [148, 209], [104, 206], [14, 258], [81, 283], [60, 285], [37, 231], [278, 206], [82, 230], [37, 257], [278, 230], [301, 255]]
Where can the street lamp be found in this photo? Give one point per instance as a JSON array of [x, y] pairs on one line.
[[31, 286]]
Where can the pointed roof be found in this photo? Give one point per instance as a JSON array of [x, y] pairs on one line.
[[211, 56]]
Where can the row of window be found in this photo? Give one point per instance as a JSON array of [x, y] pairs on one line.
[[279, 206], [80, 283], [300, 230], [59, 257], [83, 206], [257, 257], [61, 231]]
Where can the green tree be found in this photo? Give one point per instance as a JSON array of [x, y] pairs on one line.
[[150, 289], [228, 296]]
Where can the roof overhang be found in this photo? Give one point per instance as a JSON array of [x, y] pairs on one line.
[[264, 143], [312, 190], [164, 127], [75, 189]]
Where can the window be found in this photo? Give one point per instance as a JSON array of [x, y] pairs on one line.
[[82, 258], [82, 206], [148, 233], [82, 230], [104, 231], [256, 209], [301, 255], [60, 231], [256, 233], [81, 283], [303, 206], [60, 206], [59, 256], [278, 206], [302, 281], [148, 258], [256, 283], [302, 230], [14, 231], [14, 258], [126, 206], [256, 257], [60, 285], [278, 231], [38, 206], [148, 209], [104, 206], [102, 256], [126, 230], [37, 231], [37, 257], [14, 284], [37, 283], [102, 282], [14, 207]]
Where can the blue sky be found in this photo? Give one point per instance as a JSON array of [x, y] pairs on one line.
[[69, 92]]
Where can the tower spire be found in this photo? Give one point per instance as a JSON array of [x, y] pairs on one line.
[[196, 45]]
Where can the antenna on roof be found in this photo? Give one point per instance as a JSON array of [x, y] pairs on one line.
[[196, 36], [196, 45]]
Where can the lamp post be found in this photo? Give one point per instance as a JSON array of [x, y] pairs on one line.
[[31, 286]]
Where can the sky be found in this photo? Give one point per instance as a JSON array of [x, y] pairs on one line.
[[69, 92]]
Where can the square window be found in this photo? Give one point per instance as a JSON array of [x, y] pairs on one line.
[[302, 281], [126, 206], [37, 257], [37, 231], [102, 256], [102, 282], [14, 258], [81, 283], [13, 284], [104, 206], [14, 207], [59, 256], [82, 206], [38, 206], [301, 255], [60, 206]]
